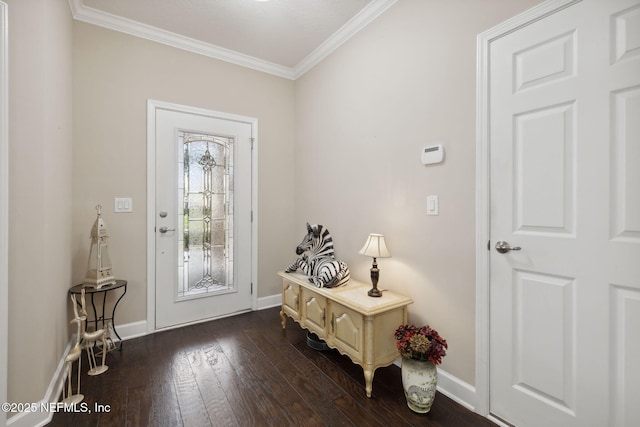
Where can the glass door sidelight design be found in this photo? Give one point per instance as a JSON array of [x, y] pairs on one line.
[[205, 258]]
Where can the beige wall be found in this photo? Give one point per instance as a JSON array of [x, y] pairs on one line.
[[40, 150], [362, 117], [114, 75]]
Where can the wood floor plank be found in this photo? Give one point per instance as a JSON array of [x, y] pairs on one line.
[[302, 383], [213, 394], [244, 400], [300, 409], [113, 387], [260, 377], [353, 388], [356, 413], [164, 411], [192, 407], [138, 406]]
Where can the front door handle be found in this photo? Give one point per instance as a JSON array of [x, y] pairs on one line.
[[504, 247], [165, 229]]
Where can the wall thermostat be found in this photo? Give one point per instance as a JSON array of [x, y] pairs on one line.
[[432, 154]]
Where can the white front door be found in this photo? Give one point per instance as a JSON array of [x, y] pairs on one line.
[[202, 214], [564, 142]]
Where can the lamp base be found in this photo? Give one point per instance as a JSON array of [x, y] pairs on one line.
[[374, 292], [375, 275]]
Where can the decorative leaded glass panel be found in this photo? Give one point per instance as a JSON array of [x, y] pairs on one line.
[[206, 169]]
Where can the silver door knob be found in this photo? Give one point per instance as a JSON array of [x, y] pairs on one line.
[[504, 247], [165, 229]]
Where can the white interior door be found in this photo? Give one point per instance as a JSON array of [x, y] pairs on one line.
[[203, 216], [564, 126]]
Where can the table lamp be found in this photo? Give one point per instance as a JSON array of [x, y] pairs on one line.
[[375, 247]]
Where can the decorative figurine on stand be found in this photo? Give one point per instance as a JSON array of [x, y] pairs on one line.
[[74, 354], [318, 259], [99, 271], [90, 339]]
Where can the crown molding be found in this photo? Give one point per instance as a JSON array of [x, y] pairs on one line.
[[348, 30], [96, 17]]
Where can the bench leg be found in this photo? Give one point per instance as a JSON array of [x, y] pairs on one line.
[[368, 380]]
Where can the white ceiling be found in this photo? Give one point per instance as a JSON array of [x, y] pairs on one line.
[[281, 37]]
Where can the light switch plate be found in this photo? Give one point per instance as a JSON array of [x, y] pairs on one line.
[[432, 205], [122, 204]]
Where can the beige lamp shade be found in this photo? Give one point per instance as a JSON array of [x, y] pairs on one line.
[[375, 247]]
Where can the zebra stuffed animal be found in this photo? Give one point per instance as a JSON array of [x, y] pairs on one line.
[[318, 261]]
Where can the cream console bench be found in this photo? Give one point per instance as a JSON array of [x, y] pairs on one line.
[[347, 319]]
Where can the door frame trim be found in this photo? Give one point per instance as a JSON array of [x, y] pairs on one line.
[[483, 197], [152, 107]]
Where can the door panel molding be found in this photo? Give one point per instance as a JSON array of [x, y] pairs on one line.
[[152, 107], [483, 45]]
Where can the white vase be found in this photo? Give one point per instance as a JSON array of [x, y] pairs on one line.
[[419, 380]]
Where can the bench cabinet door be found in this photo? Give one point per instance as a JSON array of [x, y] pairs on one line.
[[291, 299], [314, 307], [347, 329]]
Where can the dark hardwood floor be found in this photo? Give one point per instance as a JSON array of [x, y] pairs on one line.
[[246, 371]]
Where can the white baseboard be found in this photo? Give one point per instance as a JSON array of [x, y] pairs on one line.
[[270, 301], [132, 330], [40, 416], [457, 390]]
